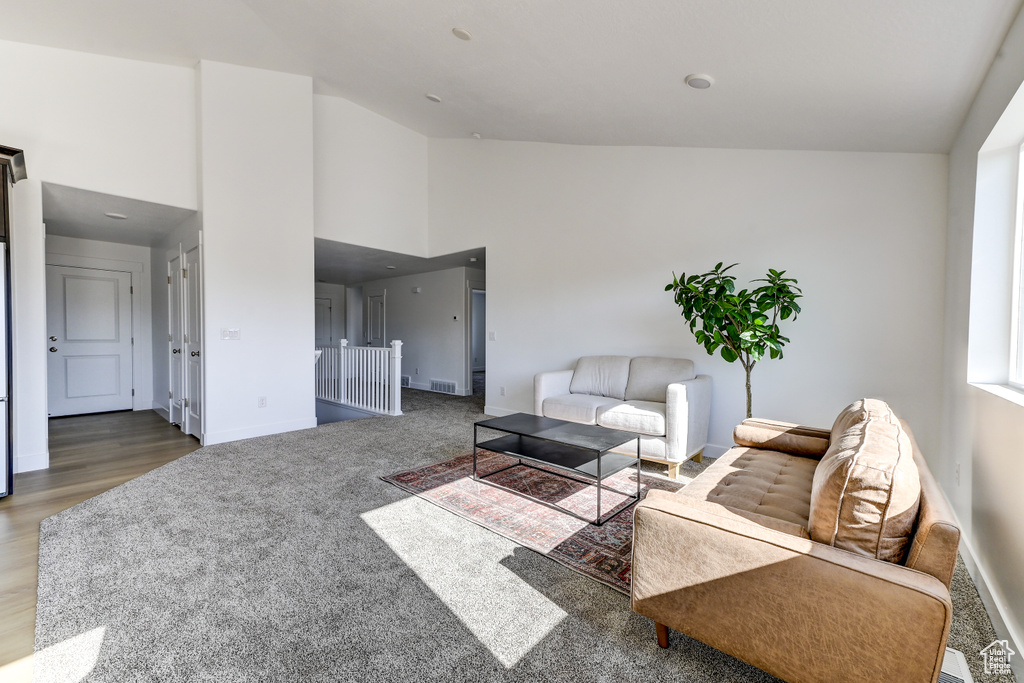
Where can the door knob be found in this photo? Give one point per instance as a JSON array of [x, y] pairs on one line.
[[53, 349], [53, 339], [195, 353], [175, 350]]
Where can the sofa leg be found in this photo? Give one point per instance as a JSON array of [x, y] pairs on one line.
[[673, 470], [700, 456], [662, 634]]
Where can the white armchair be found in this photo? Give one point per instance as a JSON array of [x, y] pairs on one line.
[[661, 399]]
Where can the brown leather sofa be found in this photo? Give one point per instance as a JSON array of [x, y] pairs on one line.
[[815, 555]]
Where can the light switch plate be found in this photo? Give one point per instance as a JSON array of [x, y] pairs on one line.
[[230, 333]]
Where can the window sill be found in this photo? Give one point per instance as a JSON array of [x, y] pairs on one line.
[[1003, 391]]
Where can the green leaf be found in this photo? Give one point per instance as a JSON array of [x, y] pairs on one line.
[[728, 354]]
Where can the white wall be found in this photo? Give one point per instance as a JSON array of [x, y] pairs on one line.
[[117, 126], [28, 327], [981, 426], [371, 179], [337, 296], [256, 150], [582, 240], [431, 324], [82, 253]]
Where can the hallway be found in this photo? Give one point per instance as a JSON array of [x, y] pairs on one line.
[[89, 454]]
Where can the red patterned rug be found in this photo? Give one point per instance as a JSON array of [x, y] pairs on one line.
[[601, 552]]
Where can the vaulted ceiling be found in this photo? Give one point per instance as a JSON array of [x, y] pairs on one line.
[[870, 75]]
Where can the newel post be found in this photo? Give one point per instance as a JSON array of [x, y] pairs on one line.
[[342, 371], [395, 380]]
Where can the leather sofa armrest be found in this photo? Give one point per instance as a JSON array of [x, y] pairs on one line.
[[797, 609], [772, 435], [547, 384]]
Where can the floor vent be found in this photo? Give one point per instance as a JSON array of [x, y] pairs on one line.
[[442, 386], [406, 381], [954, 668]]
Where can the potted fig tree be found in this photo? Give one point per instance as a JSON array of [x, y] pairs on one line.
[[740, 325]]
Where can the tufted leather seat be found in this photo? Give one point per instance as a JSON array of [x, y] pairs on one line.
[[769, 483]]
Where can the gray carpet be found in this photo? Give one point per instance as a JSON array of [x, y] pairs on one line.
[[286, 558]]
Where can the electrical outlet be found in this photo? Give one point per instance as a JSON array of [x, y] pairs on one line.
[[501, 390], [492, 336], [261, 402], [417, 371]]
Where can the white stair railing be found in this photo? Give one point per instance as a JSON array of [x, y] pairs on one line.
[[363, 377]]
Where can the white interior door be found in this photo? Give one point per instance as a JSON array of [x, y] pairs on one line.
[[323, 323], [193, 341], [89, 318], [375, 311], [175, 338]]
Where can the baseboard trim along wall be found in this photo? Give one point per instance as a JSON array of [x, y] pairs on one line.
[[162, 411], [33, 461], [211, 438]]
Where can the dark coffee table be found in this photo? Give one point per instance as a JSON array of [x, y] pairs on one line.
[[580, 451]]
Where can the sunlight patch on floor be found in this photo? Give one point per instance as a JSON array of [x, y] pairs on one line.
[[72, 660], [468, 578]]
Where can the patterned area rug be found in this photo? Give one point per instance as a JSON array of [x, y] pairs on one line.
[[601, 552]]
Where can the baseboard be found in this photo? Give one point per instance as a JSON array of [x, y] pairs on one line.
[[211, 438], [162, 411], [495, 411], [998, 611], [33, 461]]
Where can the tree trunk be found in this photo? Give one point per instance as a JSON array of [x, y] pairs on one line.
[[748, 369]]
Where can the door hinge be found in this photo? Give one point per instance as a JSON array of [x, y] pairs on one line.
[[131, 290], [133, 392], [184, 403], [133, 341], [170, 394], [184, 272], [170, 338], [168, 279]]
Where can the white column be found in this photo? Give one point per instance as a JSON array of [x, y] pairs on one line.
[[395, 383]]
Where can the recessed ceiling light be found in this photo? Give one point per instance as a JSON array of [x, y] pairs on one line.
[[390, 267], [700, 81], [472, 259], [462, 34], [433, 98], [118, 216]]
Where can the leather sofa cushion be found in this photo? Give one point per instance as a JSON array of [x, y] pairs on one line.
[[867, 489], [642, 417], [858, 411], [601, 376], [764, 482], [649, 377], [577, 407]]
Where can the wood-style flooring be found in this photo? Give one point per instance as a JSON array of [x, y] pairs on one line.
[[89, 454]]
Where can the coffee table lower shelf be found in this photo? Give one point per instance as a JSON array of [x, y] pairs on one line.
[[589, 467]]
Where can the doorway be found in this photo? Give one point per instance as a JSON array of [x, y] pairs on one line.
[[375, 317], [185, 337]]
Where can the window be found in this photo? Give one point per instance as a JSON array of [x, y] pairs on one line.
[[1016, 374]]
